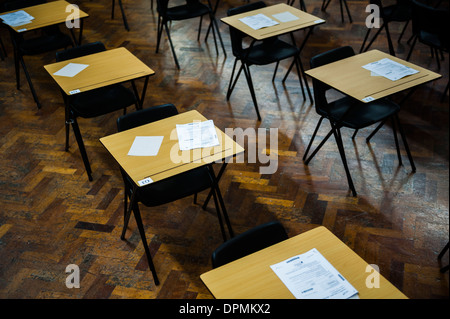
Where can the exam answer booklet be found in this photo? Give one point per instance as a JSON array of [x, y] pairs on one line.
[[197, 135], [389, 69], [311, 276]]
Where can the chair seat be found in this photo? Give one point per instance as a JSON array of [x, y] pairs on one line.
[[176, 187], [360, 114], [184, 12], [433, 40], [101, 101], [45, 43], [270, 52]]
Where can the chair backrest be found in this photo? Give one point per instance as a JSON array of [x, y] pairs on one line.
[[82, 50], [321, 88], [236, 35], [431, 20], [244, 244], [145, 116]]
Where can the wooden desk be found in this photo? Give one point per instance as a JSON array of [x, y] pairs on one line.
[[47, 14], [349, 77], [169, 161], [305, 20], [252, 278], [162, 165], [105, 68]]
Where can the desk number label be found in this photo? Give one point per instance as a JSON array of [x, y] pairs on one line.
[[368, 99], [145, 181], [319, 21], [74, 92], [21, 30]]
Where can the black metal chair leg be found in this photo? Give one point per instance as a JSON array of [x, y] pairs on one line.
[[27, 75], [251, 88], [233, 83], [124, 18], [222, 204], [397, 146], [313, 137], [405, 143], [340, 145], [82, 148], [137, 216], [171, 45]]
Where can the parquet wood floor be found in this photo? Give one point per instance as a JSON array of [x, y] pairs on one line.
[[52, 216]]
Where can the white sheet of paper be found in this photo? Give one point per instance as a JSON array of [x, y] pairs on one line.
[[145, 146], [285, 17], [258, 21], [197, 135], [311, 276], [17, 18], [389, 69], [14, 19], [71, 69]]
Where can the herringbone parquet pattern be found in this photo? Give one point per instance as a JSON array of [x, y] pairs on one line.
[[52, 216]]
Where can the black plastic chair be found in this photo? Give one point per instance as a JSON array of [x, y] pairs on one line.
[[430, 27], [351, 113], [49, 39], [192, 9], [342, 3], [92, 103], [122, 11], [263, 53], [251, 241], [169, 189], [401, 11]]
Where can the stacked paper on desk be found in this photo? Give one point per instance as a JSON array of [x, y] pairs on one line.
[[258, 21], [389, 69], [311, 276], [197, 135], [15, 19]]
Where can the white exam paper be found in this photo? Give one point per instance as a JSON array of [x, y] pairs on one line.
[[71, 69], [311, 276], [389, 69], [197, 135], [14, 19], [145, 146], [258, 21], [285, 16]]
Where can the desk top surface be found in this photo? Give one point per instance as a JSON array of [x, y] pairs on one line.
[[305, 20], [170, 160], [104, 68], [252, 278], [46, 14], [349, 77]]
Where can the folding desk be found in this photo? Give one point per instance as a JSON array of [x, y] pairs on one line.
[[169, 161], [251, 277], [305, 20], [47, 14], [104, 68], [350, 78]]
